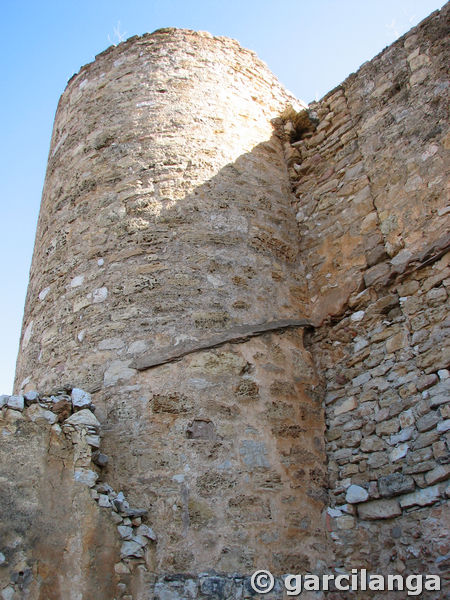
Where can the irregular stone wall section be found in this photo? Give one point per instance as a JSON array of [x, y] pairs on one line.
[[224, 445], [55, 542], [367, 166], [368, 170], [165, 214], [166, 223], [229, 455]]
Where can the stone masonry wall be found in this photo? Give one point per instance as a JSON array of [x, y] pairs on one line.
[[166, 223], [368, 170], [52, 532], [218, 334]]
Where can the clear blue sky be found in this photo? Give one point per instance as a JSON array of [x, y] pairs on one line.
[[311, 45]]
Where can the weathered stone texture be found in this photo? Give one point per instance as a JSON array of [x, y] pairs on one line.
[[51, 531], [165, 213], [368, 172], [167, 223], [173, 277]]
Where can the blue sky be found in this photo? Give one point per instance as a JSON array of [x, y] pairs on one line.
[[311, 45]]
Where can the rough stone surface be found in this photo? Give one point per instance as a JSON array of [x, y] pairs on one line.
[[193, 224], [15, 402], [167, 165], [80, 398], [83, 418], [356, 494], [379, 509], [395, 484], [52, 533]]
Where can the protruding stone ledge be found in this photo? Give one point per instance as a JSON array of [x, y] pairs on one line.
[[235, 335]]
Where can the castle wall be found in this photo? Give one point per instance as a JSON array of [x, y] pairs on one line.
[[368, 170], [220, 321], [166, 220], [55, 542]]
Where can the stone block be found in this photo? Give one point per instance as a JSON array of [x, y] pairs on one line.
[[402, 436], [36, 412], [80, 399], [388, 427], [428, 421], [86, 477], [254, 454], [345, 522], [372, 444], [423, 497], [406, 418], [399, 452], [379, 509], [84, 418], [395, 484], [346, 406], [440, 473], [443, 426], [356, 494], [16, 402]]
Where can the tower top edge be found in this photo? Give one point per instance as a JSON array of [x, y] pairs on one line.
[[159, 35]]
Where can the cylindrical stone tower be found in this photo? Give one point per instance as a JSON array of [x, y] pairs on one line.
[[164, 281]]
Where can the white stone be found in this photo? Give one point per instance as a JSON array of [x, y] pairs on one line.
[[443, 374], [56, 428], [355, 494], [25, 382], [80, 398], [399, 452], [16, 402], [27, 335], [3, 400], [137, 346], [361, 379], [358, 315], [8, 593], [421, 497], [104, 501], [86, 477], [31, 396], [99, 294], [360, 343], [36, 413], [131, 548], [141, 540], [346, 406], [81, 335], [2, 558], [77, 281], [115, 517], [83, 417], [146, 531], [93, 440], [402, 436], [118, 370], [443, 426], [121, 569], [44, 293], [334, 512], [100, 262], [125, 532], [111, 344]]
